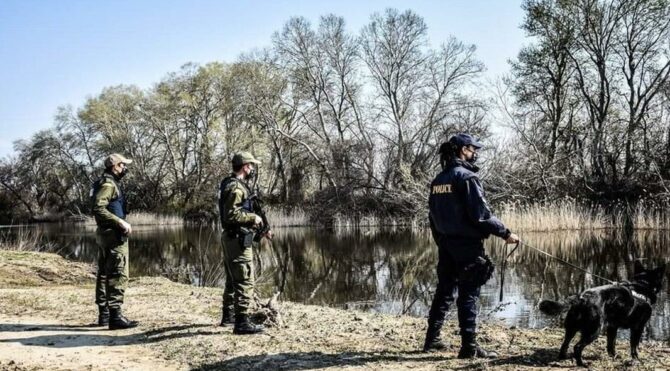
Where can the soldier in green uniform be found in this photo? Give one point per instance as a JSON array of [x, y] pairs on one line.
[[239, 226], [109, 209]]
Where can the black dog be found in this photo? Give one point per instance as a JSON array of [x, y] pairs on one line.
[[623, 305]]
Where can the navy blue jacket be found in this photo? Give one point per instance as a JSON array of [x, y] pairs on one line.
[[457, 207]]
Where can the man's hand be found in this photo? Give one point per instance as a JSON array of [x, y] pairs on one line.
[[513, 238], [125, 226], [269, 234], [258, 221]]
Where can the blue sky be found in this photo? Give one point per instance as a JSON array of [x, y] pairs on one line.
[[54, 53]]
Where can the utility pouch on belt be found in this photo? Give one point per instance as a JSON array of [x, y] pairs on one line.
[[120, 236], [246, 237], [478, 272]]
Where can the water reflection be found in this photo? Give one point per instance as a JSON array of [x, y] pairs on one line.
[[387, 270]]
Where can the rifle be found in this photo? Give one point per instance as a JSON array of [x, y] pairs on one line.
[[256, 205], [257, 208]]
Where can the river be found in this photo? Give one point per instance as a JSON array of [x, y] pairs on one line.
[[387, 270]]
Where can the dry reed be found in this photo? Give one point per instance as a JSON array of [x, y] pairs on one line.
[[567, 214], [280, 217], [24, 239], [143, 218], [544, 216]]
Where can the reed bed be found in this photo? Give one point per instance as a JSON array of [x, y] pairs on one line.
[[346, 221], [561, 215], [145, 218], [569, 214], [543, 216], [281, 217], [24, 239], [142, 218], [647, 215]]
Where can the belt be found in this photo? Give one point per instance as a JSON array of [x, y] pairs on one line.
[[235, 233]]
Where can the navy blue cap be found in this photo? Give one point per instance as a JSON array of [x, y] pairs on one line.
[[462, 140]]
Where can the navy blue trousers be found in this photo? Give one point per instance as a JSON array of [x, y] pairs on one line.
[[448, 285]]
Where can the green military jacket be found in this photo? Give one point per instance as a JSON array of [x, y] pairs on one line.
[[108, 192], [234, 204]]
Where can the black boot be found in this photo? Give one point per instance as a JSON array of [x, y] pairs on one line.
[[435, 345], [117, 321], [433, 340], [244, 327], [228, 317], [470, 348], [103, 315]]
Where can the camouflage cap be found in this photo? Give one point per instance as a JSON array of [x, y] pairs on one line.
[[116, 158], [242, 158]]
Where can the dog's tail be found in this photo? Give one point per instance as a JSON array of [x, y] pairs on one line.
[[550, 307], [554, 308]]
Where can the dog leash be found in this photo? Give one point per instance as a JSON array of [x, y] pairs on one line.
[[504, 265], [571, 265]]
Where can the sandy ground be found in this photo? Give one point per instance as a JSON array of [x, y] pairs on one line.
[[46, 323], [40, 343]]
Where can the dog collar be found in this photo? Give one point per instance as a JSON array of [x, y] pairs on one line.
[[637, 295]]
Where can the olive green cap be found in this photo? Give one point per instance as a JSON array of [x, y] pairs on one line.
[[116, 158], [242, 158]]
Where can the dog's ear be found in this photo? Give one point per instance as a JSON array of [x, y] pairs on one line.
[[637, 267]]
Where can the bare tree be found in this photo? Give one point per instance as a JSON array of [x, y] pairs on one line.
[[394, 51], [643, 51]]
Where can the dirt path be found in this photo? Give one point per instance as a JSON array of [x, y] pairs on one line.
[[31, 342], [45, 324]]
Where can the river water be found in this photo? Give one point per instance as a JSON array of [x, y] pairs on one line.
[[386, 270]]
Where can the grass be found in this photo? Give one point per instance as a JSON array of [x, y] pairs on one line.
[[180, 323], [142, 218], [647, 215], [26, 268], [145, 218], [543, 216], [569, 214], [560, 215], [24, 239], [555, 216], [281, 217], [341, 221]]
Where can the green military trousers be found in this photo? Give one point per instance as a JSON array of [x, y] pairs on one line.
[[239, 268], [112, 278]]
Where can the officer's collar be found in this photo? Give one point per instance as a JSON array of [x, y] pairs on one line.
[[458, 162], [111, 175], [234, 177], [639, 291], [640, 296]]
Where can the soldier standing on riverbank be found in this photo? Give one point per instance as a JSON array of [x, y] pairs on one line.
[[460, 220], [239, 224], [109, 209]]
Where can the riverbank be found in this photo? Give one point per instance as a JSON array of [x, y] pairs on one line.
[[46, 315], [566, 214]]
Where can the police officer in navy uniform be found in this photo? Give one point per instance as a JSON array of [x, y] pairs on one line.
[[460, 220]]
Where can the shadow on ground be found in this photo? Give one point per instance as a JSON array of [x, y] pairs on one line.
[[81, 338], [539, 358], [314, 360], [8, 327]]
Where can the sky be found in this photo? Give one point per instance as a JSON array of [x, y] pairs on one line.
[[60, 52]]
